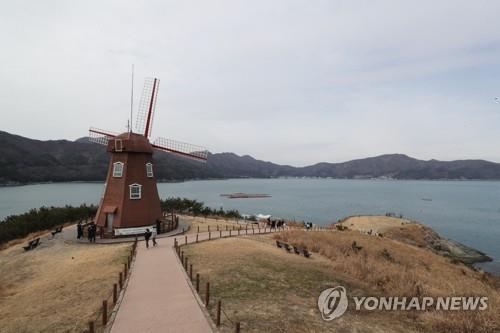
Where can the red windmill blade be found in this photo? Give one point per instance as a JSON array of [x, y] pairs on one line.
[[100, 136], [147, 105], [184, 149]]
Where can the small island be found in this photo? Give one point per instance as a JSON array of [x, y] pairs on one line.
[[240, 195]]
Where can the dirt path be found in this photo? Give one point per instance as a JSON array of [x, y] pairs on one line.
[[158, 297]]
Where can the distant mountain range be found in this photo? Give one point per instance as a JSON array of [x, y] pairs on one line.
[[24, 160]]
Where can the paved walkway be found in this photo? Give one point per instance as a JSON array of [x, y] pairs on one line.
[[158, 297]]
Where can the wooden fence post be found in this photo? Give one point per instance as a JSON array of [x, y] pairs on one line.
[[218, 313], [185, 240], [209, 235], [220, 233], [191, 272], [230, 232], [120, 280], [115, 293], [198, 229], [91, 327], [197, 282], [197, 237], [207, 294], [125, 270], [237, 330], [104, 312], [186, 263]]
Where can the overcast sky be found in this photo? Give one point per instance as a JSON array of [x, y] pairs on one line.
[[293, 82]]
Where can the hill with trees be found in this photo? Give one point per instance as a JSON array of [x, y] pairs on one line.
[[24, 160]]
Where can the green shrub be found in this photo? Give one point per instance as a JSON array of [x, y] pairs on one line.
[[43, 218]]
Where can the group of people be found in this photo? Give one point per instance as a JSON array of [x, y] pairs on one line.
[[91, 231], [275, 224], [150, 235], [308, 225]]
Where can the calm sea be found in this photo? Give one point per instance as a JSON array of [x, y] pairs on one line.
[[467, 211]]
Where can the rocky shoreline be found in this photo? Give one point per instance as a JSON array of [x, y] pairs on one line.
[[416, 234], [458, 251]]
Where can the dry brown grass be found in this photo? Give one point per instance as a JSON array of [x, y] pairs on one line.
[[58, 287], [377, 223], [407, 271], [269, 290]]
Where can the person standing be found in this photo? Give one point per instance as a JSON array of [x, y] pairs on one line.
[[93, 227], [153, 236], [79, 230], [158, 226], [147, 236], [89, 232]]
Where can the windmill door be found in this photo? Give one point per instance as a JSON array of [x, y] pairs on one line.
[[109, 222]]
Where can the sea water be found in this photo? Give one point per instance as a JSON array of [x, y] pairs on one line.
[[466, 211]]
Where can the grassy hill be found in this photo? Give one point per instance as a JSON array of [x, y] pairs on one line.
[[270, 290]]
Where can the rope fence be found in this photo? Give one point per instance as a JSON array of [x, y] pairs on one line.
[[107, 309], [206, 298], [108, 306], [253, 229]]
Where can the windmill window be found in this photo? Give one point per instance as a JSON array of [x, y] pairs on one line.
[[135, 191], [149, 170], [117, 169], [118, 145]]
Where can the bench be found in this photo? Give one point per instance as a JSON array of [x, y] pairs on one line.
[[58, 230], [32, 244], [287, 247], [302, 250], [355, 247]]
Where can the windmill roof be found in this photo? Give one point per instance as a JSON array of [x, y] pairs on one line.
[[131, 142]]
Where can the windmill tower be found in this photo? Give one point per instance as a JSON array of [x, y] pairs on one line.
[[130, 202]]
